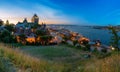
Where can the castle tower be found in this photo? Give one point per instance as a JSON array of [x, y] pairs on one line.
[[35, 19]]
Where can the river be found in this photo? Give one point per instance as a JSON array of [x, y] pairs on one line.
[[93, 34]]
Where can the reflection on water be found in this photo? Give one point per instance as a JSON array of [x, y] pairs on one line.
[[93, 34]]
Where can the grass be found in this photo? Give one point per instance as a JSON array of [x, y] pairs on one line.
[[108, 64], [25, 62], [5, 64], [48, 51], [58, 53], [60, 58]]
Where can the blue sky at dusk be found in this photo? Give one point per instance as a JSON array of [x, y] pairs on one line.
[[80, 12]]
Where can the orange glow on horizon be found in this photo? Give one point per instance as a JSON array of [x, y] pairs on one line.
[[47, 21]]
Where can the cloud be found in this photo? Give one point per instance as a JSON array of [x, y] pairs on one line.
[[46, 10], [45, 13], [13, 14]]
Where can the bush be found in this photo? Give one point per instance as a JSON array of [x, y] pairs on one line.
[[6, 37], [104, 50]]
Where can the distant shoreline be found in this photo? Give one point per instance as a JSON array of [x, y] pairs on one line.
[[90, 26]]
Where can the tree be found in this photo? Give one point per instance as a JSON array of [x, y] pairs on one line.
[[9, 27], [1, 22], [22, 38], [65, 38], [3, 34], [45, 39], [35, 26], [75, 42], [7, 22], [40, 33], [6, 37], [115, 39]]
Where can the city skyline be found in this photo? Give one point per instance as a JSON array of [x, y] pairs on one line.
[[79, 12]]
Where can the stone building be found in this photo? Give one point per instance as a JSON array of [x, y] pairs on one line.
[[29, 28]]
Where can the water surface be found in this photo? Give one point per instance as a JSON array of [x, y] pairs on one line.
[[93, 34]]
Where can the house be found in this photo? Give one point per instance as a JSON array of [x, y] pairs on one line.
[[83, 40]]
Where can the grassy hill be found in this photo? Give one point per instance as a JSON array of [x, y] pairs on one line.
[[59, 58], [108, 64]]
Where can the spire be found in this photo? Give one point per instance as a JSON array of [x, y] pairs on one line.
[[25, 20]]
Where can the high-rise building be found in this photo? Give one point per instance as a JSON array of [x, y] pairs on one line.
[[35, 19]]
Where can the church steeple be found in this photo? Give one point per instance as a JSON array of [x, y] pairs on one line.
[[25, 20], [35, 19]]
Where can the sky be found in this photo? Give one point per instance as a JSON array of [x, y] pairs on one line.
[[78, 12]]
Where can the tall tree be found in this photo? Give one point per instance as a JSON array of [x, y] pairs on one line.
[[6, 37], [7, 22], [9, 27], [115, 39], [1, 22]]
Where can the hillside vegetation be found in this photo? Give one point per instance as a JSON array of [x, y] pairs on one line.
[[108, 64], [54, 59], [24, 62]]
